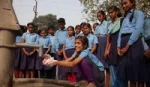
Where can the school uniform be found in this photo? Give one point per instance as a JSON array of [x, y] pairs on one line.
[[91, 68], [60, 38], [69, 50], [18, 53], [52, 71], [146, 44], [130, 65], [28, 62], [80, 34], [92, 39], [113, 31], [46, 43], [101, 32]]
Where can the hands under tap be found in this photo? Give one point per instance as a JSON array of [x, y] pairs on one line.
[[48, 60]]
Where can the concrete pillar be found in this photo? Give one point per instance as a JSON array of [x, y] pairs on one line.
[[7, 38], [8, 27]]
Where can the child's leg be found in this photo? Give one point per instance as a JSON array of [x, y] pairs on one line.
[[16, 72], [132, 84], [69, 77], [82, 76], [27, 74], [31, 73], [74, 79], [107, 82], [21, 74], [140, 84], [88, 72]]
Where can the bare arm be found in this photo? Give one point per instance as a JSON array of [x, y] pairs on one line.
[[64, 53], [48, 50], [94, 48], [69, 63]]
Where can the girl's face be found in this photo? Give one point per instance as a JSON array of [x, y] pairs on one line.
[[43, 33], [94, 27], [100, 17], [86, 30], [78, 45], [51, 31], [61, 25], [78, 30], [127, 5], [30, 28], [113, 14], [70, 32]]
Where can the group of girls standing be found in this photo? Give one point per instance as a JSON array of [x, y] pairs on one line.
[[120, 48], [27, 63]]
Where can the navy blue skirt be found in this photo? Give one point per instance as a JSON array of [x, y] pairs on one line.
[[17, 57], [112, 60], [38, 64], [147, 62], [28, 62], [69, 53], [101, 50], [61, 70], [131, 65]]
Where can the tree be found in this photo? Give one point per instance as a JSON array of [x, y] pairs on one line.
[[46, 21], [92, 6]]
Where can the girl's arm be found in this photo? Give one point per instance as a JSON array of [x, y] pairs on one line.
[[23, 49], [69, 63], [48, 50], [94, 48], [107, 46], [64, 53], [94, 45]]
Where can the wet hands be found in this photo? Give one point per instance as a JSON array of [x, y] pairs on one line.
[[48, 60]]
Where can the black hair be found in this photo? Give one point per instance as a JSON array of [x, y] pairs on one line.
[[43, 29], [116, 9], [85, 44], [132, 15], [96, 24], [89, 26], [71, 27], [103, 13], [51, 27], [77, 26], [61, 20], [82, 24], [30, 24]]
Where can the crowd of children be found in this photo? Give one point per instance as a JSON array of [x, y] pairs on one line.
[[120, 47]]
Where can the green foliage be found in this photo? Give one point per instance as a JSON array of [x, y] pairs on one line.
[[92, 6], [46, 21]]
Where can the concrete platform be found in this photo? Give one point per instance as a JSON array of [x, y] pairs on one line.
[[32, 82]]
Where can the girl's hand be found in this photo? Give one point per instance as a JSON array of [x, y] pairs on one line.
[[119, 51], [37, 50], [147, 53], [106, 53], [58, 53], [49, 62], [26, 53], [46, 56], [124, 50], [31, 53]]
